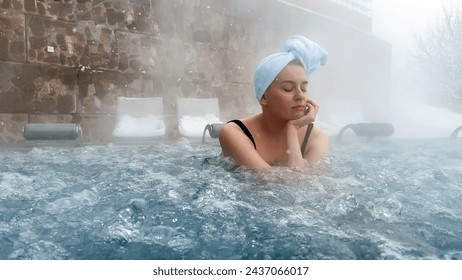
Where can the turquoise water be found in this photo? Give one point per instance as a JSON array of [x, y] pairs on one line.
[[384, 199]]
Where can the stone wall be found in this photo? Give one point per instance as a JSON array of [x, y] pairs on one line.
[[69, 60]]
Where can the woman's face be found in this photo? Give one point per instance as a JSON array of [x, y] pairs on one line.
[[286, 96]]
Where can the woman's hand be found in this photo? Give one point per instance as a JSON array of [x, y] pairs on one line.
[[311, 111]]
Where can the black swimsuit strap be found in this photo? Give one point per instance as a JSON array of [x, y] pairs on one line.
[[245, 130], [305, 140], [248, 134]]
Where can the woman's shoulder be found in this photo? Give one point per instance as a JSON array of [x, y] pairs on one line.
[[238, 131], [317, 146], [232, 128], [318, 139], [247, 122], [318, 133]]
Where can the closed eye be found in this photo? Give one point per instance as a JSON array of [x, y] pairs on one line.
[[290, 86]]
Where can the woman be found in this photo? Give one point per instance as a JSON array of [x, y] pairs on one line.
[[283, 134]]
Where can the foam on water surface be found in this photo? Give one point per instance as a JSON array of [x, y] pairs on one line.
[[384, 199]]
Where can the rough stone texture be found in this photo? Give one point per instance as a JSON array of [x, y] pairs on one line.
[[95, 46], [12, 37], [26, 88], [50, 118], [51, 41], [103, 49], [56, 9]]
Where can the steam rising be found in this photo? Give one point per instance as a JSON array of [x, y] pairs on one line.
[[399, 22]]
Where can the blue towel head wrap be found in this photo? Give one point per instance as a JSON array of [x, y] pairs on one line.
[[310, 55]]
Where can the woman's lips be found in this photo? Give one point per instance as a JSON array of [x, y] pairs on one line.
[[299, 107]]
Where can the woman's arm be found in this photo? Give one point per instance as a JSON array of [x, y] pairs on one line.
[[294, 154], [318, 142], [236, 145]]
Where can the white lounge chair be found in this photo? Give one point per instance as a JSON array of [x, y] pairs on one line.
[[139, 120], [194, 114]]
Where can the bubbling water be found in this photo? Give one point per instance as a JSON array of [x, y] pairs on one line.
[[387, 199]]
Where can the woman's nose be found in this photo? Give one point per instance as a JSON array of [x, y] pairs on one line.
[[299, 94]]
